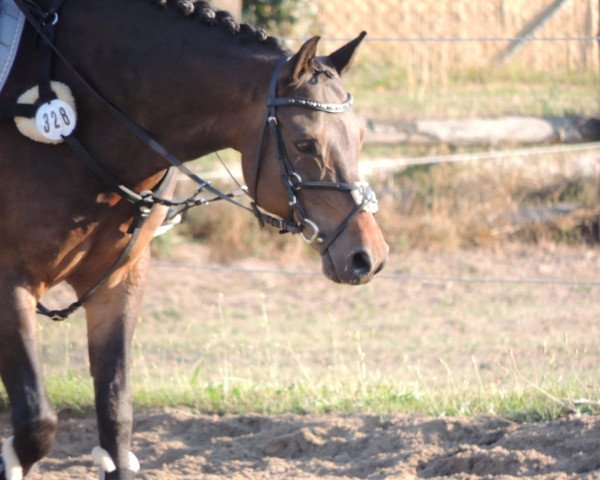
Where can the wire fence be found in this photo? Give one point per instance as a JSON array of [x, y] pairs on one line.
[[418, 54], [421, 42], [384, 165], [496, 30], [371, 39], [396, 277]]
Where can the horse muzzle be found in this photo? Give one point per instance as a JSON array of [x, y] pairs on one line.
[[358, 254], [357, 268]]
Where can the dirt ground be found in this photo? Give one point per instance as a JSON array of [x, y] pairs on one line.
[[480, 319], [183, 444]]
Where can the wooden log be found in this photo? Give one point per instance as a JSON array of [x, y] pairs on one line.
[[485, 131]]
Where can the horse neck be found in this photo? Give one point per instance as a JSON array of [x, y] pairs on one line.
[[197, 89]]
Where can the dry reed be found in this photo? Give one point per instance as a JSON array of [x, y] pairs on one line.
[[429, 64]]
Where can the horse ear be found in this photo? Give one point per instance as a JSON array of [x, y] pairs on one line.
[[342, 58], [302, 62]]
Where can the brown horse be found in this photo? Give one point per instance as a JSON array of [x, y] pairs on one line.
[[195, 81]]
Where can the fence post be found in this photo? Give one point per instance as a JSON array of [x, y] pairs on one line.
[[529, 30]]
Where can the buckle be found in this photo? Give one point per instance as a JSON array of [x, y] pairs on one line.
[[295, 181], [145, 203], [314, 236]]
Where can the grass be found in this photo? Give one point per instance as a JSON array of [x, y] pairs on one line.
[[385, 91], [346, 394], [260, 344], [522, 401]]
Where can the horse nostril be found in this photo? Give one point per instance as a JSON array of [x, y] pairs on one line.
[[360, 263], [380, 267]]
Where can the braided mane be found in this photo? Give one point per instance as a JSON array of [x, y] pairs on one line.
[[208, 15]]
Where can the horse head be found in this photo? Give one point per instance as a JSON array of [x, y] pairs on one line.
[[305, 167]]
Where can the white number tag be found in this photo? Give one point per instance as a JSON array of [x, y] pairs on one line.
[[55, 119]]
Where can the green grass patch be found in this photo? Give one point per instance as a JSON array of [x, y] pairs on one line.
[[235, 343], [391, 91], [523, 404]]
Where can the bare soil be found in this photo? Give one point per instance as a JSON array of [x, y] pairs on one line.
[[551, 328], [184, 444]]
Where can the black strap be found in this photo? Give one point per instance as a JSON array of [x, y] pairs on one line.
[[101, 173], [135, 229], [48, 23], [144, 136], [46, 27], [59, 315], [18, 110], [342, 226], [292, 180]]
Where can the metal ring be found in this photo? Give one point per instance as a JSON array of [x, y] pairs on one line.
[[51, 18], [315, 231], [295, 181]]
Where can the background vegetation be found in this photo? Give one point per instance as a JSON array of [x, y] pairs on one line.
[[279, 16]]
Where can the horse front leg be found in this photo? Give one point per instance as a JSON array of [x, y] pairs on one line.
[[33, 419], [112, 314]]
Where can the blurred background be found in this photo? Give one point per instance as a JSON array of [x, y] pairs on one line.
[[482, 119]]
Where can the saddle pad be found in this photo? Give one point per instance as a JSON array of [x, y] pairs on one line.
[[12, 21]]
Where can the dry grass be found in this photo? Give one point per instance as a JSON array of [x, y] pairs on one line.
[[461, 18], [449, 206], [456, 79], [227, 341], [443, 207]]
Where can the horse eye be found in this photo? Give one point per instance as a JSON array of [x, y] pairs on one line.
[[310, 147]]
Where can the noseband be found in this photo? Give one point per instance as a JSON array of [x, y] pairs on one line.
[[298, 221]]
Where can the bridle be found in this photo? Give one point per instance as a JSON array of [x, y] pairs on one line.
[[363, 195], [44, 23]]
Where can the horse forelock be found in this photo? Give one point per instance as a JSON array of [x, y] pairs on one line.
[[210, 16]]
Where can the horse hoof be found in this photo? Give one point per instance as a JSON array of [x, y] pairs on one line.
[[107, 469]]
